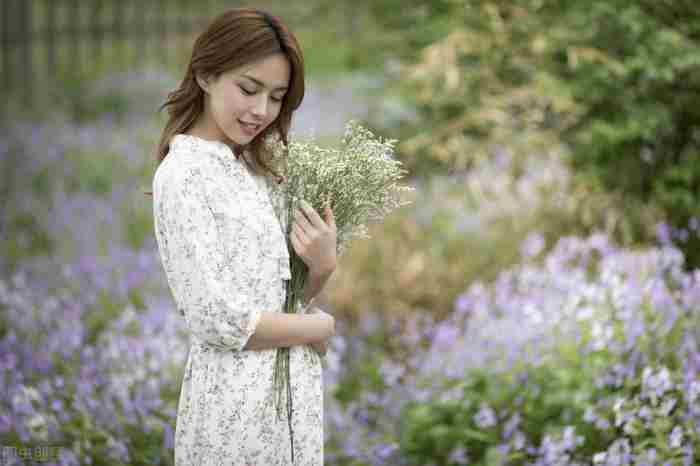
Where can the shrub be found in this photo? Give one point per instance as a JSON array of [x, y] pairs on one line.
[[616, 81]]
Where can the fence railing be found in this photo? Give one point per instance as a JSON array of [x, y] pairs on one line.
[[43, 39]]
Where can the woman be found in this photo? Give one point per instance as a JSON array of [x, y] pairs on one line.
[[225, 254]]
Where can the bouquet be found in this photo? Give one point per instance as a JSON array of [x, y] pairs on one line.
[[360, 180]]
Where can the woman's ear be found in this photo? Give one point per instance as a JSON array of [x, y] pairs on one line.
[[202, 82]]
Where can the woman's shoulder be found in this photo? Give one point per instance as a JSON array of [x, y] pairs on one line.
[[178, 168], [188, 154], [190, 144], [194, 160], [190, 150]]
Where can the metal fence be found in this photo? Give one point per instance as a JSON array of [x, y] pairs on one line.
[[40, 39]]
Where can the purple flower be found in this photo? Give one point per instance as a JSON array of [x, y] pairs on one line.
[[675, 439], [647, 458], [486, 417], [656, 384], [445, 335], [664, 233], [5, 423], [511, 425], [384, 451], [532, 245], [458, 455], [462, 303], [619, 453]]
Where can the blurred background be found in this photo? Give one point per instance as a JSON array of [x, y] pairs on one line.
[[547, 264]]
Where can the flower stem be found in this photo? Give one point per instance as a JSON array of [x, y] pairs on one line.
[[282, 375]]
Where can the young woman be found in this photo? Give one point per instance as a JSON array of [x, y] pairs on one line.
[[225, 254]]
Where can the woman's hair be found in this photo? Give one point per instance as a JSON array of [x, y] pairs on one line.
[[235, 38]]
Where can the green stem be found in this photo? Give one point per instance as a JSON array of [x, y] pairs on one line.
[[282, 375]]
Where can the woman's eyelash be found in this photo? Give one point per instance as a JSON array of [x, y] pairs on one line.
[[247, 92]]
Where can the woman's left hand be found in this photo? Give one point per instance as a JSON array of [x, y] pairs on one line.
[[314, 239]]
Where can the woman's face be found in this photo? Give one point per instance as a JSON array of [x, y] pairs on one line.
[[243, 102]]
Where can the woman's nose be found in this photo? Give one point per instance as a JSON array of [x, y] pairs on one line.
[[260, 107]]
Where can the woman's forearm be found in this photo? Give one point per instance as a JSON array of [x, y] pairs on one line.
[[281, 329]]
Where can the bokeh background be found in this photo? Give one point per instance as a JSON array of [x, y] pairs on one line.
[[537, 303]]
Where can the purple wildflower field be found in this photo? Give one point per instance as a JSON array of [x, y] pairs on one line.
[[582, 353]]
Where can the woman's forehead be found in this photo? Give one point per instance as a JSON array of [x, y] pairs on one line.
[[271, 72]]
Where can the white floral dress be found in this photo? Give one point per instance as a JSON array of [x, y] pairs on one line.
[[226, 260]]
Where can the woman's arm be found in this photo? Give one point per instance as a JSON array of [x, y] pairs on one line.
[[281, 329], [314, 284], [207, 271]]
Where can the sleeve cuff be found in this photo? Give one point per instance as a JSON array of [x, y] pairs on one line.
[[253, 322]]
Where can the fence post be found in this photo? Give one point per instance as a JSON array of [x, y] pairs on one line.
[[6, 57], [140, 32], [25, 42], [97, 30], [117, 36], [27, 26], [75, 38], [50, 38]]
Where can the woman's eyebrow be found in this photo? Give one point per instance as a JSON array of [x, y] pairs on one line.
[[260, 83]]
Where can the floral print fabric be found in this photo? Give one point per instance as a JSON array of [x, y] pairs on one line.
[[226, 260]]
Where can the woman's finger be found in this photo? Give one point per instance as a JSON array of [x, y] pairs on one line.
[[293, 238], [328, 213], [296, 246], [311, 214], [300, 234], [330, 218], [303, 222]]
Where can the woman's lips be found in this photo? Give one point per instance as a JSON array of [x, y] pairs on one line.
[[248, 129]]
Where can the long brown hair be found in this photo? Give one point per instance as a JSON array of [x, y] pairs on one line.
[[236, 38]]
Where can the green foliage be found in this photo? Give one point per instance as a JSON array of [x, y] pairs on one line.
[[363, 374], [548, 398], [139, 227], [99, 316], [24, 237], [41, 183], [602, 390], [92, 174], [146, 447], [616, 81], [463, 228], [636, 72], [74, 90]]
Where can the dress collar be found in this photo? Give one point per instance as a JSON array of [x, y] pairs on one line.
[[217, 148]]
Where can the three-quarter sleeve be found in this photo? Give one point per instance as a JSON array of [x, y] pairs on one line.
[[207, 271]]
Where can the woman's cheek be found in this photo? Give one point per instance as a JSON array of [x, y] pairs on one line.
[[275, 114]]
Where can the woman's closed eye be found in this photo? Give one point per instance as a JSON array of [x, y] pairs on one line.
[[247, 92]]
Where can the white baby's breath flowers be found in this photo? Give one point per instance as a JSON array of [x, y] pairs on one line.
[[359, 180]]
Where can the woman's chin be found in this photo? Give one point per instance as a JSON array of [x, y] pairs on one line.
[[239, 139]]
